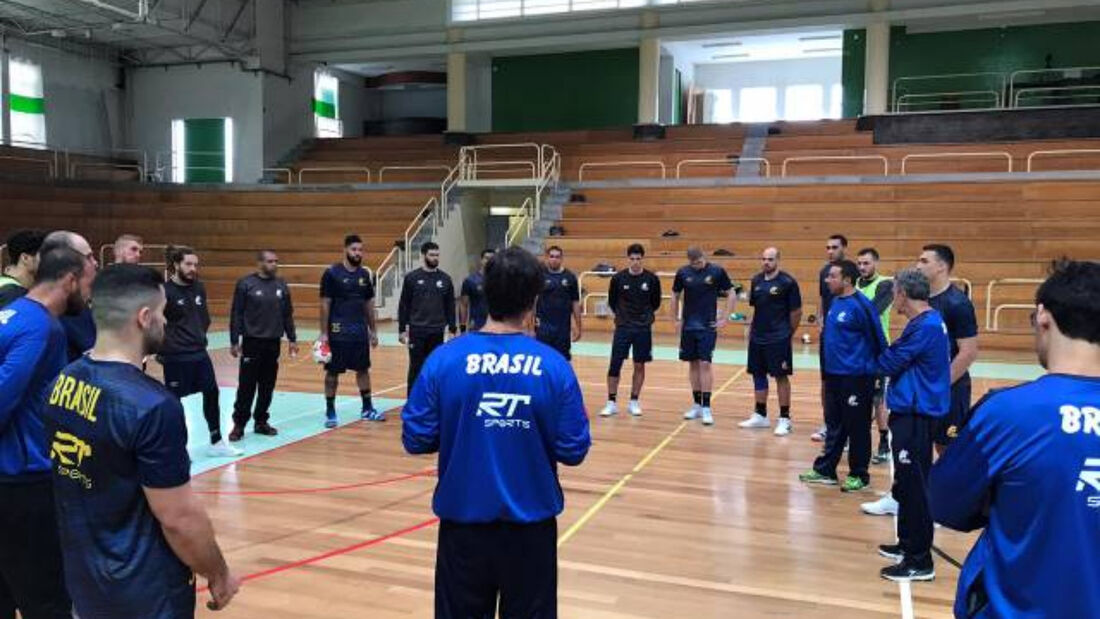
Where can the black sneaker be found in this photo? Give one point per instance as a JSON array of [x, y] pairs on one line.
[[237, 433], [907, 571], [265, 429], [891, 551], [883, 454]]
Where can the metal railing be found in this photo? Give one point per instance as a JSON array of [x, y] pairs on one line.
[[603, 295], [388, 265], [474, 169], [77, 165], [906, 103], [733, 161], [1057, 72], [993, 313], [819, 158], [50, 171], [524, 220], [409, 168], [621, 164], [302, 171], [1065, 151], [144, 246], [1058, 93], [370, 273], [469, 157], [906, 159], [896, 90], [429, 214]]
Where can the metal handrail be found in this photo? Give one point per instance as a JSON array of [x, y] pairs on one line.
[[388, 264], [447, 185], [1007, 306], [49, 164], [732, 161], [426, 214], [49, 148], [1061, 70], [1064, 151], [1054, 90], [111, 151], [905, 159], [941, 97], [370, 273], [92, 164], [382, 170], [470, 153], [289, 173], [612, 164], [302, 171], [916, 78], [990, 325], [882, 158], [526, 216], [103, 252], [604, 295], [472, 169]]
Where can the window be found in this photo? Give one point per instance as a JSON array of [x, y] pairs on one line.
[[28, 104], [476, 10], [721, 106], [804, 102], [326, 105], [202, 150], [758, 105]]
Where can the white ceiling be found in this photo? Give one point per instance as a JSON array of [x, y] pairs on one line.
[[757, 47]]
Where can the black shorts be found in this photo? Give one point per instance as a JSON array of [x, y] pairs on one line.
[[773, 359], [949, 426], [561, 344], [187, 374], [351, 355], [640, 339], [698, 345]]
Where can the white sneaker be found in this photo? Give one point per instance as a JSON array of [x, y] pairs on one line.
[[610, 409], [885, 506], [634, 408], [819, 436], [708, 418], [693, 412], [756, 421], [783, 426], [222, 449]]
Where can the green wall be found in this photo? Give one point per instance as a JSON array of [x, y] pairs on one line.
[[582, 90], [1000, 50]]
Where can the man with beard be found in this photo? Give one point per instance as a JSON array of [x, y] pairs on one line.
[[22, 248], [187, 366], [472, 308], [1026, 469], [32, 352], [427, 306], [122, 480], [558, 306], [262, 312], [127, 249], [835, 248], [347, 327], [879, 289]]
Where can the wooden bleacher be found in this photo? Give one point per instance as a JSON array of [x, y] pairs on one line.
[[998, 230], [225, 226]]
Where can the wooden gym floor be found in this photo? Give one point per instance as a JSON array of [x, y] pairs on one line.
[[665, 518]]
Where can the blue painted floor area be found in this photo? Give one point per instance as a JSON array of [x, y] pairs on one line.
[[295, 415]]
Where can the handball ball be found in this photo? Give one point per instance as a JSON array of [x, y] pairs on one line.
[[321, 352]]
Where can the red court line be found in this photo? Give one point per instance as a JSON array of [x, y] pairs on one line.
[[333, 553], [364, 484]]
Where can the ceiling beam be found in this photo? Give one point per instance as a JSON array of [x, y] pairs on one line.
[[236, 18], [195, 15]]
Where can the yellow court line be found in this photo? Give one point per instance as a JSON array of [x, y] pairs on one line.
[[729, 382], [613, 490]]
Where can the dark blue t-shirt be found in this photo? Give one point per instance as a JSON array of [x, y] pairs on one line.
[[958, 315], [79, 332], [348, 291], [773, 301], [1026, 468], [113, 431], [555, 305], [474, 291], [701, 289]]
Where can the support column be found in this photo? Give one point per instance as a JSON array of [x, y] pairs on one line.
[[877, 73], [649, 70], [456, 92], [5, 91]]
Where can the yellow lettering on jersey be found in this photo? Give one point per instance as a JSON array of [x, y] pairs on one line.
[[76, 396]]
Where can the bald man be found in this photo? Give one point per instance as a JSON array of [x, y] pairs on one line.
[[777, 311]]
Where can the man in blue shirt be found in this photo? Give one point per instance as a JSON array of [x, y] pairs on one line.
[[698, 285], [472, 310], [32, 352], [347, 327], [502, 410], [918, 366], [1026, 469], [853, 339], [835, 248], [777, 305], [558, 306], [131, 528]]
